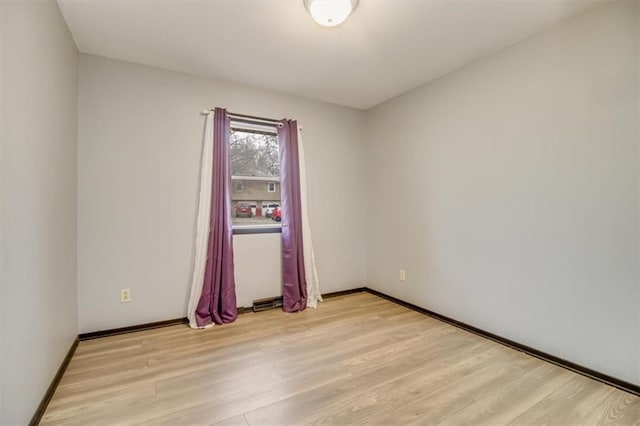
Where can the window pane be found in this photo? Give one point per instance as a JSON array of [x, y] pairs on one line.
[[255, 177]]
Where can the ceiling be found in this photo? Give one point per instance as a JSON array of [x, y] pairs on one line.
[[384, 49]]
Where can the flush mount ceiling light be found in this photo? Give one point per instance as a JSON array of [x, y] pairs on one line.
[[330, 13]]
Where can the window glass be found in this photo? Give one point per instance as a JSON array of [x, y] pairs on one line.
[[255, 177]]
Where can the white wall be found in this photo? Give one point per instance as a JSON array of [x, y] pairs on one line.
[[139, 141], [2, 252], [510, 192], [38, 175], [258, 267]]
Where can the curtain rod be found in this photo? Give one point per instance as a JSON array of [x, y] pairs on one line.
[[245, 116], [254, 122], [249, 119], [253, 117]]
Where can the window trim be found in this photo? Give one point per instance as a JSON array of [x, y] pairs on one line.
[[276, 227], [269, 186], [257, 229]]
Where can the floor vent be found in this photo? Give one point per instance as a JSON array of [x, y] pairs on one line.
[[268, 303]]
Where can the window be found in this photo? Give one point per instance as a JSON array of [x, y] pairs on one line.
[[255, 175]]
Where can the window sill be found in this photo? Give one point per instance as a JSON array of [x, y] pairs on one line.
[[257, 229]]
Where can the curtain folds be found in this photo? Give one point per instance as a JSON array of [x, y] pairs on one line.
[[294, 282], [213, 296], [202, 223], [313, 286]]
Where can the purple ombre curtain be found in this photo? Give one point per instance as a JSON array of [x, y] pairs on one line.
[[294, 284], [217, 302]]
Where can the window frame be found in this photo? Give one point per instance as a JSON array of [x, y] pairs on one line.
[[276, 227]]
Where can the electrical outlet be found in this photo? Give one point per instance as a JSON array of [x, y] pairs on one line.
[[403, 275], [125, 295]]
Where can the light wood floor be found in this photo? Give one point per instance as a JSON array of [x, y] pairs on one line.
[[356, 359]]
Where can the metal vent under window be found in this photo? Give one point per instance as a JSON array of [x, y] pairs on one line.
[[266, 304]]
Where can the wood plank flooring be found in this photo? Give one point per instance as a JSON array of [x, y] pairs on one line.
[[356, 359]]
